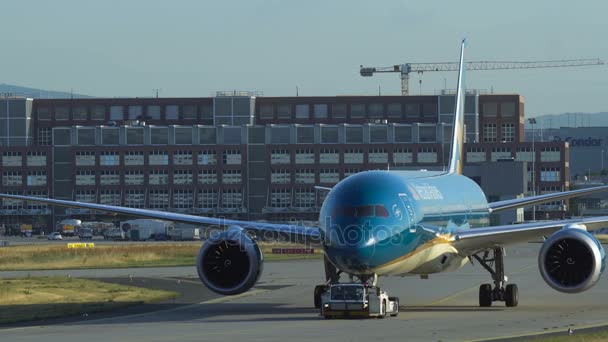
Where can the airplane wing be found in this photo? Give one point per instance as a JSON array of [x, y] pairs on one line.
[[267, 231], [534, 200], [471, 241]]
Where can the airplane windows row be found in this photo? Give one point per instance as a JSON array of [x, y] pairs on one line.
[[362, 211]]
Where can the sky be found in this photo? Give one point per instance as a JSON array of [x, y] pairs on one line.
[[190, 48]]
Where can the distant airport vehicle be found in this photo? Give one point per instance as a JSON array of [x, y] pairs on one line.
[[26, 230], [356, 300], [69, 227], [146, 229], [85, 234], [113, 234], [184, 233], [55, 236], [400, 223]]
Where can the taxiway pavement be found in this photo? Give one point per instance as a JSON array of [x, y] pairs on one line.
[[444, 307]]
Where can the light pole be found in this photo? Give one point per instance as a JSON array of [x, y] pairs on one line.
[[532, 122]]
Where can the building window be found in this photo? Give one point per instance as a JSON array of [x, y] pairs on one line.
[[158, 177], [109, 178], [232, 199], [412, 110], [182, 158], [85, 158], [133, 177], [266, 111], [44, 113], [354, 134], [320, 111], [489, 132], [329, 134], [207, 199], [508, 132], [350, 172], [109, 197], [427, 134], [85, 177], [159, 199], [329, 156], [109, 159], [394, 110], [549, 174], [36, 159], [98, 112], [338, 110], [183, 199], [302, 111], [378, 156], [135, 112], [135, 198], [117, 113], [507, 109], [207, 158], [305, 176], [427, 155], [189, 112], [79, 113], [62, 113], [282, 176], [231, 177], [353, 156], [207, 177], [378, 134], [357, 111], [153, 113], [329, 176], [403, 156], [280, 156], [172, 112], [158, 158], [305, 156], [304, 198], [182, 177], [490, 108], [159, 135], [44, 136], [12, 159], [231, 157], [403, 133], [12, 178], [280, 198], [376, 110], [134, 158], [87, 196], [284, 111]]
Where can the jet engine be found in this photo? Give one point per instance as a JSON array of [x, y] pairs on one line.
[[230, 262], [571, 260]]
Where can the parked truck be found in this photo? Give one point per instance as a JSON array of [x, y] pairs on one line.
[[85, 234], [184, 232], [69, 227], [146, 229]]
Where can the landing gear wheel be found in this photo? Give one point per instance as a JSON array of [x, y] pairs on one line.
[[319, 289], [382, 309], [396, 301], [485, 295], [511, 295]]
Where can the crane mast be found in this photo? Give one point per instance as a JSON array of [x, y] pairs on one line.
[[405, 69]]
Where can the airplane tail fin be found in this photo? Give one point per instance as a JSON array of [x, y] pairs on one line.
[[456, 152]]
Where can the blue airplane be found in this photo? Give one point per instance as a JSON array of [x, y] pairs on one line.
[[378, 223]]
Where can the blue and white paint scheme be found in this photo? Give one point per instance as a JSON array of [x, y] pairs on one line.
[[399, 223]]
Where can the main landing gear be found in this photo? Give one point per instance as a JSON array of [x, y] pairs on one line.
[[494, 264]]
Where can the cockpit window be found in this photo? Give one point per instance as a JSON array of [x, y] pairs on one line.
[[362, 211]]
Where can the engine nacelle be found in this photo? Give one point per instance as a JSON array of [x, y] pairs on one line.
[[230, 262], [571, 260]]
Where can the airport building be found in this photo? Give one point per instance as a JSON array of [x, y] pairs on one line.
[[588, 147], [246, 156]]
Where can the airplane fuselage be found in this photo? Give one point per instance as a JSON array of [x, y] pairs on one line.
[[398, 222]]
